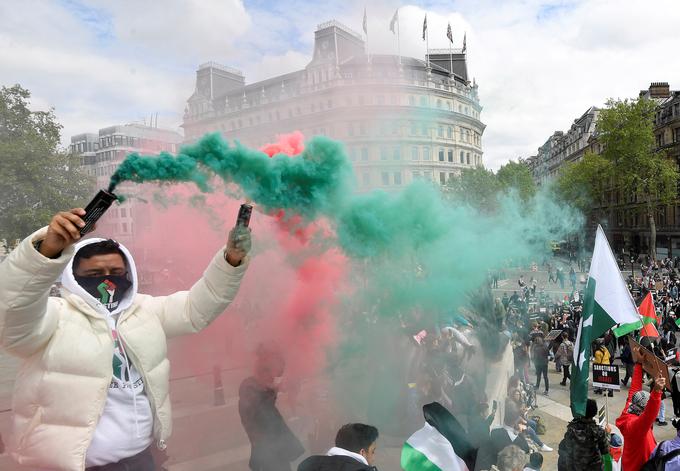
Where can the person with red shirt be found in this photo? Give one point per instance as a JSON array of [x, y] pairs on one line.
[[636, 420]]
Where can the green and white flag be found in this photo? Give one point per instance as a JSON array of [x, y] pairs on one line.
[[607, 302], [429, 450]]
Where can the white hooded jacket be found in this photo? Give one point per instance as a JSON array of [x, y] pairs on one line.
[[61, 394]]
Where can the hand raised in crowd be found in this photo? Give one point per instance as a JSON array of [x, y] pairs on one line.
[[63, 231], [659, 383], [239, 243]]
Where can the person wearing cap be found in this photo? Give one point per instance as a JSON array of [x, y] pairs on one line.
[[584, 442], [636, 420]]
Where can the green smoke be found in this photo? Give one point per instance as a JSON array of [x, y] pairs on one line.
[[313, 183]]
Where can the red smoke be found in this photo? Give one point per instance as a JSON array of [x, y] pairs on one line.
[[306, 321], [287, 296]]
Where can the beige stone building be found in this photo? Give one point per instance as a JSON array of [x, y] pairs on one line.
[[400, 118]]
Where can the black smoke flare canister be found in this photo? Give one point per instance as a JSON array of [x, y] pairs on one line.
[[96, 209], [244, 215]]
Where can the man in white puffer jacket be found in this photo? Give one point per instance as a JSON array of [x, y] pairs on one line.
[[92, 390]]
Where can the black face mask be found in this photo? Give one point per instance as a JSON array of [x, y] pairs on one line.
[[107, 289]]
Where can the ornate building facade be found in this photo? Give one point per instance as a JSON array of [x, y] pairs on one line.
[[400, 118]]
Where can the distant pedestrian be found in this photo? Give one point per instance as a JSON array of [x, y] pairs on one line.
[[565, 357], [273, 444], [539, 354]]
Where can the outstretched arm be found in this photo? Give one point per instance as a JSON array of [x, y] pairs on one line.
[[190, 311], [26, 276]]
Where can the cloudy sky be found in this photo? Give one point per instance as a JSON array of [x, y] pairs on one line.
[[539, 63]]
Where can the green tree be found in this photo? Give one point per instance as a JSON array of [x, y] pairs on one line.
[[477, 187], [37, 178], [517, 176], [582, 183], [626, 131]]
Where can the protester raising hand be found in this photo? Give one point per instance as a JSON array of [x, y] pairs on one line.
[[63, 231], [659, 383]]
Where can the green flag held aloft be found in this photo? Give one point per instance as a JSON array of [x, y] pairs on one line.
[[607, 302]]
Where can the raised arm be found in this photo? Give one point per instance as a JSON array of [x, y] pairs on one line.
[[190, 311], [26, 276]]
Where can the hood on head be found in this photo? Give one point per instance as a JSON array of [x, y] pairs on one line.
[[69, 283]]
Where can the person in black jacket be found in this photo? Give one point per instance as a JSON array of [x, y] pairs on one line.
[[584, 443], [273, 444], [354, 450], [511, 433]]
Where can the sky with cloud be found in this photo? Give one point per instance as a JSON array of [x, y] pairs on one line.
[[539, 63]]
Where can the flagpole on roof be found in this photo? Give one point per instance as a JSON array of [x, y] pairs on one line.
[[449, 34], [398, 36], [426, 37], [395, 20], [365, 25]]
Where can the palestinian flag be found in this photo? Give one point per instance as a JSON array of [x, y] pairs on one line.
[[606, 303], [649, 320], [649, 317], [612, 460], [441, 445]]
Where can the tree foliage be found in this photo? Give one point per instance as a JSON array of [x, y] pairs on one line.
[[480, 188], [477, 187], [582, 183], [37, 179], [517, 176], [628, 162], [626, 131]]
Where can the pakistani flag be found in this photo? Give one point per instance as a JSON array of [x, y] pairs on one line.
[[607, 302], [441, 445]]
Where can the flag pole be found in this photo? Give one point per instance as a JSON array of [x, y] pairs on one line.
[[427, 46], [398, 38], [450, 58]]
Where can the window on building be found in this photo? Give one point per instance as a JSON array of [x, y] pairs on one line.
[[441, 154], [442, 178], [450, 155], [125, 228], [364, 154], [385, 178], [449, 132], [383, 153], [460, 108], [412, 100], [462, 157], [426, 153], [423, 101], [395, 128], [414, 153], [440, 131], [397, 178], [123, 212], [677, 134], [468, 158], [659, 140], [366, 178], [396, 154], [423, 129], [414, 128], [451, 175], [353, 154]]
